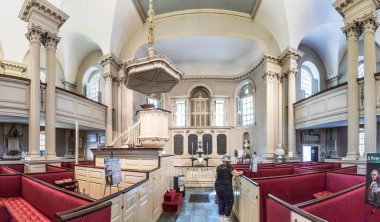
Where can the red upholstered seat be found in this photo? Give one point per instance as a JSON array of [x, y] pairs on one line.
[[322, 194], [173, 206], [22, 211]]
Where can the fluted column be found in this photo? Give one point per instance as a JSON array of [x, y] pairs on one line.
[[353, 92], [34, 37], [50, 42], [370, 122]]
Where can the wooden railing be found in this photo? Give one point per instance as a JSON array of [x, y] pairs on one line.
[[130, 136]]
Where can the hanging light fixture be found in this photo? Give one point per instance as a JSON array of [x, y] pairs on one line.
[[153, 74]]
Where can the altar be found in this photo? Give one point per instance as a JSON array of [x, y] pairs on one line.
[[201, 159]]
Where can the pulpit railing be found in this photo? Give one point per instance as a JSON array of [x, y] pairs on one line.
[[199, 176], [128, 137]]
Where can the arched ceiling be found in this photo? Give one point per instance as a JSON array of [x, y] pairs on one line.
[[209, 53], [225, 27]]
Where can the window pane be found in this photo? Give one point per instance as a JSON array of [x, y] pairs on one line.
[[93, 86], [219, 113], [180, 113], [361, 69], [42, 76], [306, 81]]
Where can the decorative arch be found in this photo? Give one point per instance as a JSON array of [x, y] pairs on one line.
[[199, 85], [242, 84]]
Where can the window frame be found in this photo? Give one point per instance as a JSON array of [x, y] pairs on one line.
[[90, 93]]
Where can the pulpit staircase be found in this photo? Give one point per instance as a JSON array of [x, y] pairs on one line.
[[129, 138]]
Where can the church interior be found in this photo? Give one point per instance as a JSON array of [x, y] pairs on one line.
[[122, 110]]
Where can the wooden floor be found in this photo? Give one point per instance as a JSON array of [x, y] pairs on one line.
[[196, 212]]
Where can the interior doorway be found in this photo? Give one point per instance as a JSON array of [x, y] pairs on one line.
[[309, 153]]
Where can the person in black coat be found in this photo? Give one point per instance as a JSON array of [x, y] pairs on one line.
[[223, 187]]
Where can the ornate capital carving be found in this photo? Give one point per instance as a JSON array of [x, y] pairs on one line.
[[370, 24], [353, 31], [292, 73], [269, 76], [34, 34], [50, 40]]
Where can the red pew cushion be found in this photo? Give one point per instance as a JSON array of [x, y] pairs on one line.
[[22, 211], [322, 194]]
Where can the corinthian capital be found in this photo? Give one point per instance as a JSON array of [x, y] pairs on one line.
[[353, 31], [50, 40], [34, 34], [370, 24]]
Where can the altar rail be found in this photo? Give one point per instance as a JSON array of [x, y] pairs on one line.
[[197, 176]]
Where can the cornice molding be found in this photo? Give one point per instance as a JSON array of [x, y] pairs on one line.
[[333, 78], [290, 53], [110, 58], [43, 8], [228, 78], [69, 84], [19, 67]]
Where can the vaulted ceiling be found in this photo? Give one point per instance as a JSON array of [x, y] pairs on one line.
[[213, 37]]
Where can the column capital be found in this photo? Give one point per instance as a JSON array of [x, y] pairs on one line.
[[270, 75], [370, 23], [353, 30], [34, 34], [289, 61], [50, 40], [111, 65]]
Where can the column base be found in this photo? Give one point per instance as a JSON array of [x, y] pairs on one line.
[[293, 158], [34, 157], [351, 156], [52, 157]]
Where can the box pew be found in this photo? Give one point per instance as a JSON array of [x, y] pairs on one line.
[[330, 208], [28, 199], [281, 211], [350, 169], [17, 167], [4, 170], [51, 177], [300, 188], [51, 168]]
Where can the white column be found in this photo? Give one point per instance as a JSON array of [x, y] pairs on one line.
[[34, 37], [270, 120], [108, 101], [76, 142], [291, 101], [370, 122], [188, 112], [50, 44], [280, 104], [353, 93]]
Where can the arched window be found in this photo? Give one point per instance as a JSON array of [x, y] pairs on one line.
[[200, 107], [306, 81], [245, 105], [361, 69], [93, 86], [42, 75], [309, 79]]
